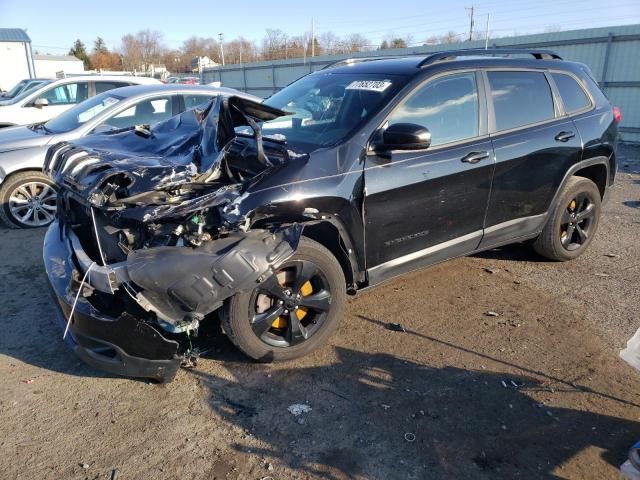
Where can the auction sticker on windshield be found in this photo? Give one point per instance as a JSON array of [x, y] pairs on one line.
[[370, 85]]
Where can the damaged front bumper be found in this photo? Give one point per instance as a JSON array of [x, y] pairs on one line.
[[123, 345], [172, 286]]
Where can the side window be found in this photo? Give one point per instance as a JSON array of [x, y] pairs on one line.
[[146, 112], [68, 94], [573, 96], [192, 101], [520, 98], [447, 106], [102, 87]]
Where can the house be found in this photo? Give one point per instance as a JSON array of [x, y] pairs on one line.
[[47, 66], [16, 57]]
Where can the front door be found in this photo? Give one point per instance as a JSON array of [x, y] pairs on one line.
[[59, 99], [425, 206]]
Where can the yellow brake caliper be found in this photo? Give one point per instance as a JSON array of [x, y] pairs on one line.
[[281, 321], [572, 208]]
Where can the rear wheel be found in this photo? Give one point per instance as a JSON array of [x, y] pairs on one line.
[[27, 200], [294, 311], [573, 222]]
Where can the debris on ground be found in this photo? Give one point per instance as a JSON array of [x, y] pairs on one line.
[[410, 437], [298, 409], [114, 474], [491, 270], [28, 381], [396, 327], [85, 466], [491, 313], [512, 384], [600, 274], [611, 255], [385, 406]]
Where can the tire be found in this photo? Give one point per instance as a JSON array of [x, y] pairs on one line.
[[241, 310], [19, 186], [562, 241]]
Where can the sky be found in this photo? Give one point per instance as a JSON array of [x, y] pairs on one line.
[[53, 25]]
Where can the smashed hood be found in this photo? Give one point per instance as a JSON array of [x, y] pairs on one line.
[[188, 148]]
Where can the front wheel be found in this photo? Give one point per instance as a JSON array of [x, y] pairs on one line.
[[573, 221], [27, 200], [294, 311]]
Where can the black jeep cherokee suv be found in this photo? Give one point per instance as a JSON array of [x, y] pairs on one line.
[[265, 215]]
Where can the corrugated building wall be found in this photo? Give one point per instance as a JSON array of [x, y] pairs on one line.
[[612, 53]]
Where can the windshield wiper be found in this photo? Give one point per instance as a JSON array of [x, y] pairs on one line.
[[38, 126]]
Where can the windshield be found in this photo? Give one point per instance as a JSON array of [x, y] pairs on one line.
[[15, 90], [32, 84], [326, 107], [29, 91], [81, 113]]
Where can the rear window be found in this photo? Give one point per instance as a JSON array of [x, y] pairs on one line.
[[520, 98], [102, 87], [573, 96]]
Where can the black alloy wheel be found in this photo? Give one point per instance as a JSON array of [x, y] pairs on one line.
[[577, 220], [294, 311], [572, 221], [291, 305]]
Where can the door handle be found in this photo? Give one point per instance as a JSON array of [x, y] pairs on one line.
[[565, 136], [474, 157]]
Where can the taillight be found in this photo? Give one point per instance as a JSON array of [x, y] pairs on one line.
[[617, 114]]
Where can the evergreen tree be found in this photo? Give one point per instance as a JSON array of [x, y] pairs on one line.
[[80, 52]]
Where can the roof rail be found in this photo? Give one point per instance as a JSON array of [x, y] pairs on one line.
[[349, 61], [448, 55]]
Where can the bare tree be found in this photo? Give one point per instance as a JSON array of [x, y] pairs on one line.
[[274, 44], [355, 43], [449, 37], [142, 49], [329, 43]]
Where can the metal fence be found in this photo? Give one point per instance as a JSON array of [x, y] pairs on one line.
[[612, 53]]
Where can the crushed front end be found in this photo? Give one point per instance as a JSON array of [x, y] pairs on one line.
[[146, 245]]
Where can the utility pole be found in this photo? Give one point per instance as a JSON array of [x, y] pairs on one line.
[[313, 39], [221, 37], [471, 23], [486, 36]]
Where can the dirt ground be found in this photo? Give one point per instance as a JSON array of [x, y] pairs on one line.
[[536, 392]]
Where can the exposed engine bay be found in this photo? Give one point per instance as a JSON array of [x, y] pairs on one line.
[[151, 214]]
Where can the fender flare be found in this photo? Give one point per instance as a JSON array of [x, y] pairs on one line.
[[573, 169]]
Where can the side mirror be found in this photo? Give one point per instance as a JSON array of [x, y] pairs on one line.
[[40, 102], [405, 136]]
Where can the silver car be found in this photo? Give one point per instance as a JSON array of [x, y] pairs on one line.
[[27, 197]]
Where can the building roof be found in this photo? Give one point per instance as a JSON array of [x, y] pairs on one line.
[[57, 58], [13, 35]]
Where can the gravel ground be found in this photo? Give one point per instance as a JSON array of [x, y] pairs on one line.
[[535, 392]]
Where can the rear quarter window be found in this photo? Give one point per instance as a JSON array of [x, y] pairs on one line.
[[520, 98], [573, 96]]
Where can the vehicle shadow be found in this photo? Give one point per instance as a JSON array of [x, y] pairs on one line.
[[519, 252], [378, 416]]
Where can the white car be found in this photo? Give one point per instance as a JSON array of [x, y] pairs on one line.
[[51, 99]]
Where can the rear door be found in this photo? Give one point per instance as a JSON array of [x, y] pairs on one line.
[[427, 205], [534, 145], [105, 86]]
